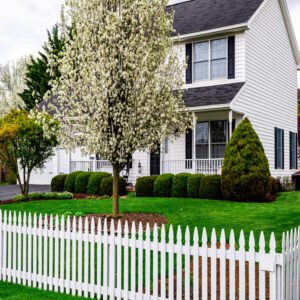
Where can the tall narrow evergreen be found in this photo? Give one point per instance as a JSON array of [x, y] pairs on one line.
[[245, 173], [37, 76]]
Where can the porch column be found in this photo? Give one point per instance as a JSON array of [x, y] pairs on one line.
[[230, 123], [194, 143]]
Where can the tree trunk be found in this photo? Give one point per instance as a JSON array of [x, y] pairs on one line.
[[115, 200]]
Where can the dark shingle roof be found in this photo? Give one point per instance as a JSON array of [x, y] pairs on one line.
[[211, 95], [199, 15]]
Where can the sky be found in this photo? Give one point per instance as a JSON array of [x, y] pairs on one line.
[[23, 25]]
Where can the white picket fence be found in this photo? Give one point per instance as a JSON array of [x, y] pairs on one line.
[[96, 259]]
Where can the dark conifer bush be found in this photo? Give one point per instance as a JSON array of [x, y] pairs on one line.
[[245, 173]]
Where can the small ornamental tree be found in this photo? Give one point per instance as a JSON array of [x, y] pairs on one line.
[[120, 81], [245, 173], [23, 146]]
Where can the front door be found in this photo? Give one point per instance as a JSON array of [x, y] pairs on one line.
[[155, 162]]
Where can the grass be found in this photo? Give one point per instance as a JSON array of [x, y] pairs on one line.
[[12, 292], [4, 183], [276, 217]]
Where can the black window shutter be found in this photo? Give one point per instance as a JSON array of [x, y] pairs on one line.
[[231, 57], [276, 147], [189, 148], [189, 60], [282, 151], [291, 150]]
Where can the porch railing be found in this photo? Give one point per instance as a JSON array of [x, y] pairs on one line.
[[196, 166], [91, 166]]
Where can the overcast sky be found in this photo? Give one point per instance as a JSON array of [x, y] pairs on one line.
[[23, 25]]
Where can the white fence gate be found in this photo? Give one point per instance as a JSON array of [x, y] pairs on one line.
[[97, 259]]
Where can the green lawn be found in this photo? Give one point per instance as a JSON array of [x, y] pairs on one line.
[[278, 217]]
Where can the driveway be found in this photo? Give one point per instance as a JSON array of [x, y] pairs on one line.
[[9, 191]]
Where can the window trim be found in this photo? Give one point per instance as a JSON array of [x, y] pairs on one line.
[[209, 60]]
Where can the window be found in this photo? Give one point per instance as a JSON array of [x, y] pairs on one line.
[[211, 139], [293, 151], [219, 132], [210, 60], [279, 148]]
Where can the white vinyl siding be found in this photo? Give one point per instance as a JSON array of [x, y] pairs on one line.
[[269, 97]]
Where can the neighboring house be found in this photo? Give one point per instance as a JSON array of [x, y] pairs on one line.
[[242, 62]]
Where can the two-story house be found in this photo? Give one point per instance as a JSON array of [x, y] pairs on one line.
[[242, 60]]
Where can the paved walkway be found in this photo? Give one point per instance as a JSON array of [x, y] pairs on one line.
[[9, 191]]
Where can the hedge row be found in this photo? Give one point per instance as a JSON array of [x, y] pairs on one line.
[[96, 183], [182, 185]]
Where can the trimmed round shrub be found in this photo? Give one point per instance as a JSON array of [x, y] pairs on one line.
[[179, 186], [275, 186], [163, 185], [106, 187], [193, 185], [210, 187], [81, 182], [144, 186], [95, 182], [58, 183], [70, 181], [245, 173]]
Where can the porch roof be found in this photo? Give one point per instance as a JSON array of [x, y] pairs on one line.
[[211, 95]]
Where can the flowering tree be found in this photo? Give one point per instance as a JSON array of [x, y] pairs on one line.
[[119, 89], [12, 82]]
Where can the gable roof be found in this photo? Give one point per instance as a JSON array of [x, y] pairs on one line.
[[211, 95], [201, 15]]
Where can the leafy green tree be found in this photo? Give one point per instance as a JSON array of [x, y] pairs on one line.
[[38, 77], [245, 173], [23, 145]]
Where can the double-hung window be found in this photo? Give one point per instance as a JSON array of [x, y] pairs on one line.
[[279, 148], [210, 60]]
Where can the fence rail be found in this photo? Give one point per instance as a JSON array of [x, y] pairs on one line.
[[92, 258]]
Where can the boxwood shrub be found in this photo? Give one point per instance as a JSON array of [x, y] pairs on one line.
[[163, 185], [144, 186], [58, 183], [193, 185], [210, 187], [179, 186], [106, 187], [70, 181], [95, 182], [81, 182]]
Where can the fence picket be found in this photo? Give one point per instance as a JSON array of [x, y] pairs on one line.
[[45, 278], [155, 262], [133, 261], [40, 252], [68, 255], [86, 259], [14, 256], [50, 283], [252, 291], [29, 250], [92, 259], [62, 255], [126, 261], [9, 234], [232, 252], [204, 265], [262, 275], [242, 274], [119, 260], [163, 262], [171, 263], [187, 264], [223, 266]]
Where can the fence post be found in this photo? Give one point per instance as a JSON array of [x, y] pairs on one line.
[[273, 287]]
